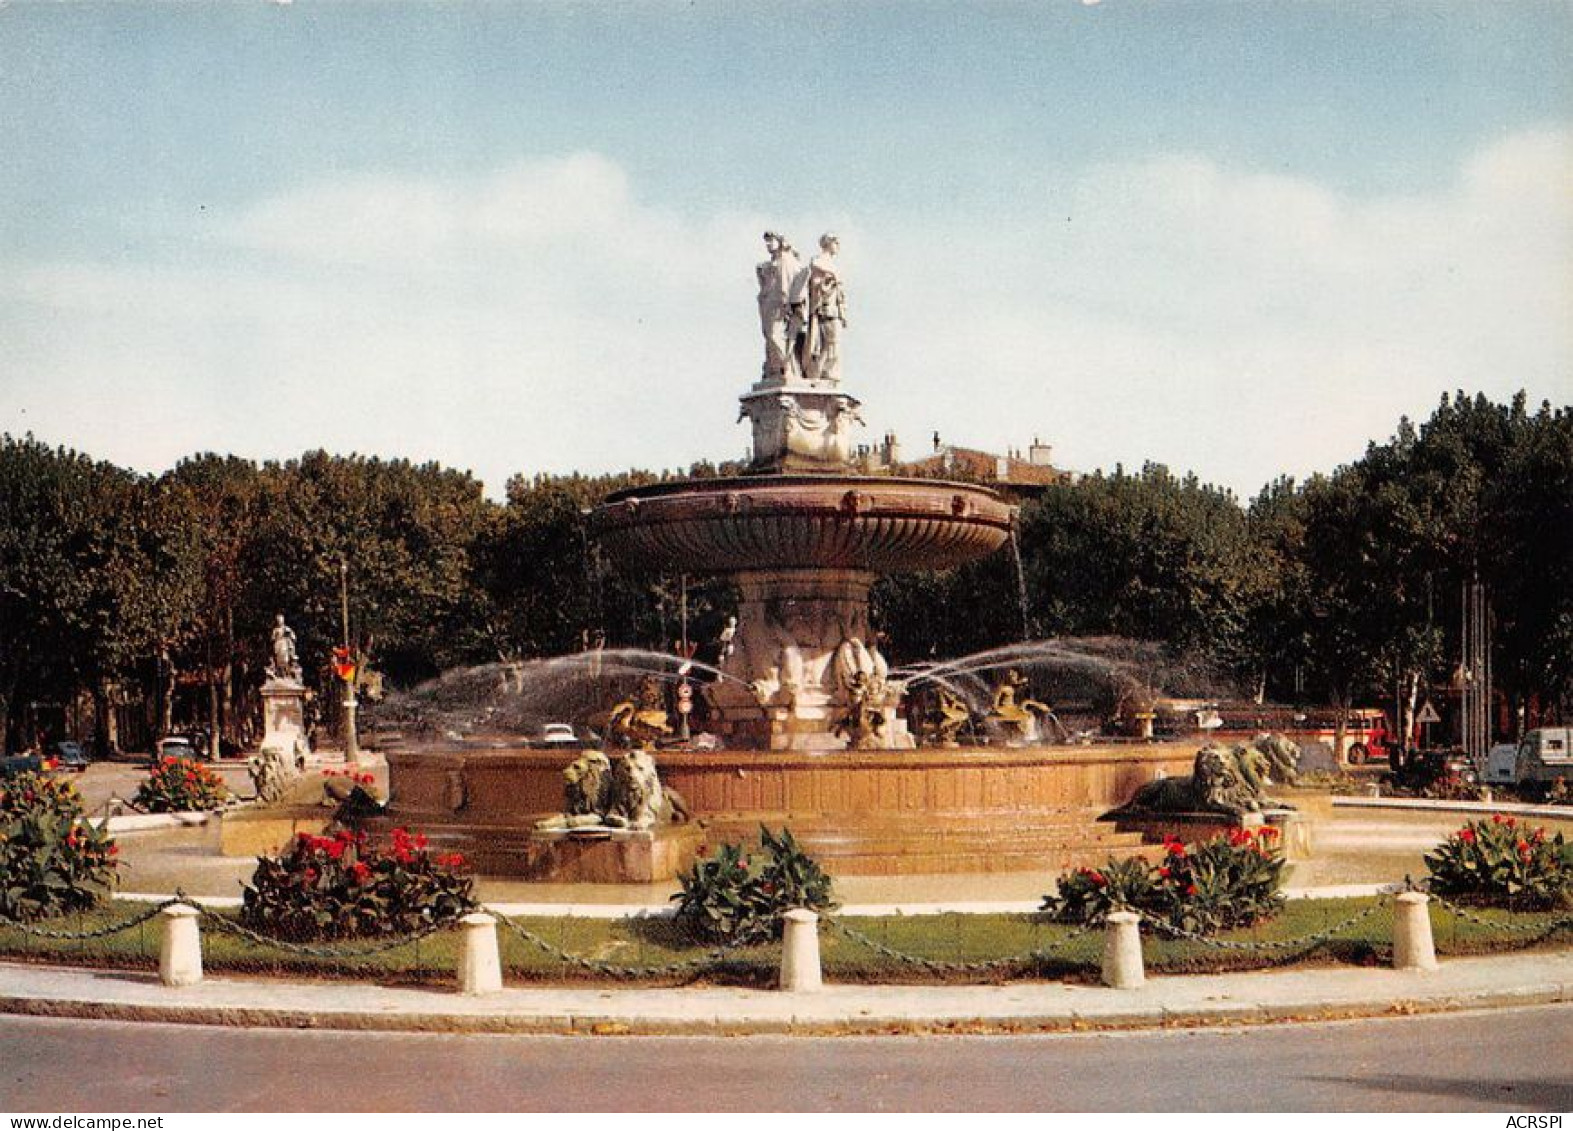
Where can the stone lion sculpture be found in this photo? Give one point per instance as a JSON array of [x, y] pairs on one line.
[[1230, 781], [623, 791]]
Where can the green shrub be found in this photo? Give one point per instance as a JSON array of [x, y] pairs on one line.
[[1229, 881], [181, 785], [1087, 895], [737, 898], [51, 859], [1502, 862], [343, 886]]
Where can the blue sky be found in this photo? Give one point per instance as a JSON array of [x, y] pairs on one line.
[[1237, 238]]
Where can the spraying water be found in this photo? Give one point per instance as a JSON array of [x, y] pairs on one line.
[[520, 698]]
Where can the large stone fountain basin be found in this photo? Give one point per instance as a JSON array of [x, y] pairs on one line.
[[859, 812], [874, 523]]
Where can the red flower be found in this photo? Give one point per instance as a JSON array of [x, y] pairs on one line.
[[1191, 890], [1177, 849], [1267, 832], [360, 872], [1496, 818], [1098, 878], [114, 850], [1164, 871], [1467, 835]]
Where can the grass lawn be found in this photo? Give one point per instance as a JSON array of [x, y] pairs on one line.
[[1020, 946]]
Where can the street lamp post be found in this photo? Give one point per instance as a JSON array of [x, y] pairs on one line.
[[351, 738]]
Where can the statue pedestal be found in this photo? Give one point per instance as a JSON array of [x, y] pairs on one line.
[[612, 856], [284, 717], [801, 425]]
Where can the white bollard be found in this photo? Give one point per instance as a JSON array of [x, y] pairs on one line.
[[800, 952], [180, 946], [1413, 948], [1122, 951], [480, 968]]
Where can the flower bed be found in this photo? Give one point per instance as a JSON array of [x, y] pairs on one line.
[[1506, 863], [345, 886], [1228, 881], [52, 859], [181, 785]]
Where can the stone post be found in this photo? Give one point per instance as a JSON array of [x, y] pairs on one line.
[[180, 946], [1122, 951], [480, 968], [1413, 948], [800, 952]]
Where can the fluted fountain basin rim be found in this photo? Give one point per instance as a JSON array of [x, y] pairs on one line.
[[877, 523]]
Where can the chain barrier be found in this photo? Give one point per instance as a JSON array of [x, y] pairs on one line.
[[1273, 945], [1543, 928], [614, 969], [97, 933], [382, 946], [938, 965]]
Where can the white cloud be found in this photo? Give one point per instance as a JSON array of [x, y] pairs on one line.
[[545, 316]]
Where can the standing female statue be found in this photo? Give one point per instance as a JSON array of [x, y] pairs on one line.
[[827, 313]]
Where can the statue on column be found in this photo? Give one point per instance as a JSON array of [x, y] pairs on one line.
[[827, 313], [776, 276], [285, 665]]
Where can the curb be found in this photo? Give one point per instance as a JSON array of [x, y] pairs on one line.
[[863, 1023], [1421, 805]]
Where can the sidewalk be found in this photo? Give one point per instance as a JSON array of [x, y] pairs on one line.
[[1191, 1000]]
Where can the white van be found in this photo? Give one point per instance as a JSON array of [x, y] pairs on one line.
[[1544, 755]]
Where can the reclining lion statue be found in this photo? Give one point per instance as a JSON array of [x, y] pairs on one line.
[[1230, 781]]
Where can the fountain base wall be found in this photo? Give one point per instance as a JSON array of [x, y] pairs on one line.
[[867, 812]]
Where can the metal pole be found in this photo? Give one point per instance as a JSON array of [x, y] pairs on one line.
[[351, 738]]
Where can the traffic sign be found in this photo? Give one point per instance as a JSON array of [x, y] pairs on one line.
[[1427, 714]]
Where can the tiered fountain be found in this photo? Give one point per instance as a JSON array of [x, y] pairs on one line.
[[807, 710]]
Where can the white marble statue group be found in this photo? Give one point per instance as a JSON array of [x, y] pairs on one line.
[[802, 311]]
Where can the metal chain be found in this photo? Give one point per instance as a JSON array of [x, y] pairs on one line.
[[617, 970], [984, 966], [230, 926], [1546, 928], [1320, 937], [96, 933]]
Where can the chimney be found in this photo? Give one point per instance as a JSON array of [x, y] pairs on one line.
[[1040, 455]]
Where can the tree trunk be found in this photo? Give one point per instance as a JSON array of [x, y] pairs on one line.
[[1341, 730], [213, 713], [106, 727]]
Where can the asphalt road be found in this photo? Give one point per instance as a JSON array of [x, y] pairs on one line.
[[1507, 1060]]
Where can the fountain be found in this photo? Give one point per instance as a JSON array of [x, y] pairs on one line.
[[804, 707]]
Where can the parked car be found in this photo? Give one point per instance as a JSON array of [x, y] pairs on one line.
[[562, 736], [27, 762], [70, 757], [174, 746], [1427, 769]]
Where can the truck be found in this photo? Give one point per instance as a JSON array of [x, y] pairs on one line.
[[1544, 755]]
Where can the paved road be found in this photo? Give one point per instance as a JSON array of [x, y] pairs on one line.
[[1508, 1060]]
